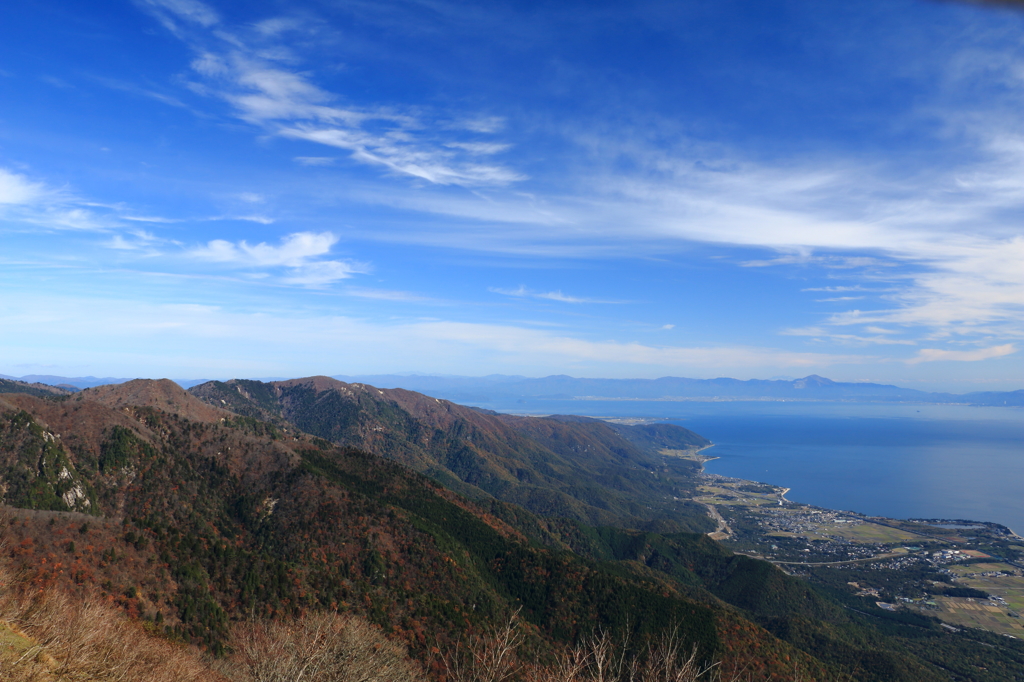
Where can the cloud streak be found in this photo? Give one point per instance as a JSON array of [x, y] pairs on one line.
[[35, 205], [254, 71], [938, 355], [523, 292]]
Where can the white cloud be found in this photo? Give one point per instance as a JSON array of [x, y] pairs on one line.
[[523, 292], [482, 148], [295, 249], [386, 295], [943, 253], [322, 273], [940, 241], [397, 152], [824, 333], [936, 355], [562, 298], [138, 241], [840, 289], [148, 219], [315, 160], [35, 205], [257, 75], [190, 10], [277, 25], [17, 189], [301, 252], [519, 292], [482, 124]]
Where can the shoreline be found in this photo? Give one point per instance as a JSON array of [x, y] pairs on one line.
[[782, 491], [694, 455]]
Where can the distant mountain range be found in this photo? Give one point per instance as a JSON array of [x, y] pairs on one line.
[[500, 388], [505, 389], [79, 383]]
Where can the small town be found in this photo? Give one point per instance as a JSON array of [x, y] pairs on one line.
[[968, 574]]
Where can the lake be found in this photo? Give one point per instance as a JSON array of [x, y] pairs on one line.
[[901, 461]]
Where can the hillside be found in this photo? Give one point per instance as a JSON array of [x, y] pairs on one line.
[[35, 388], [193, 524], [583, 469]]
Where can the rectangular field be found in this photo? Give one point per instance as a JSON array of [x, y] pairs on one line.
[[965, 569], [867, 532], [978, 613], [1009, 587]]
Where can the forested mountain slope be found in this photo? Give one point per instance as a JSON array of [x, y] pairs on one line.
[[191, 523], [582, 469], [36, 389], [191, 519]]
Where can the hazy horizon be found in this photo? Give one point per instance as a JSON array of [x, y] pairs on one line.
[[193, 381]]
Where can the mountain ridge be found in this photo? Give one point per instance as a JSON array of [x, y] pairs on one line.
[[583, 470], [509, 389]]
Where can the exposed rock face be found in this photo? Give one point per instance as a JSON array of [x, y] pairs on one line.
[[36, 470]]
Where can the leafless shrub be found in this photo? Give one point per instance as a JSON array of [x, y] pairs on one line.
[[86, 638], [320, 647], [493, 657], [599, 658]]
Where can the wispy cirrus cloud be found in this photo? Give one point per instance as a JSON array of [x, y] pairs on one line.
[[938, 355], [171, 11], [137, 241], [841, 289], [938, 242], [33, 204], [315, 160], [149, 219], [523, 292], [878, 337], [387, 295], [255, 71], [940, 247]]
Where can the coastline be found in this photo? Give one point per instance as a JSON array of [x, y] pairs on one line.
[[781, 491], [692, 454]]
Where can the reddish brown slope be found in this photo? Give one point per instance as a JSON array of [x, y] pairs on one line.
[[160, 393]]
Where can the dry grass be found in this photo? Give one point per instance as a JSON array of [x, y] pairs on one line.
[[70, 638], [49, 635], [321, 647]]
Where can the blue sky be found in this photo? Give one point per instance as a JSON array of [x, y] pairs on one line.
[[749, 189]]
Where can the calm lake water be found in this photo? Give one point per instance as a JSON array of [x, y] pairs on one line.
[[901, 461]]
